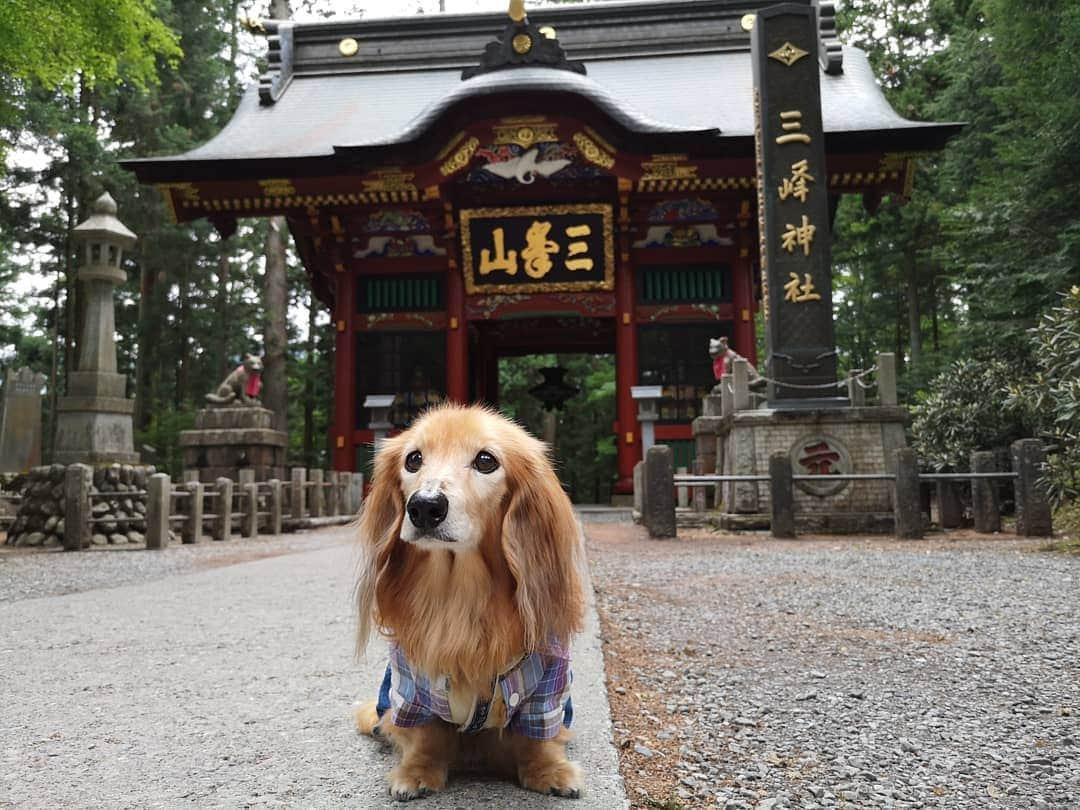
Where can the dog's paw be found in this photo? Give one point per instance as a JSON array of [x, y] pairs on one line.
[[560, 779], [407, 784], [367, 719], [405, 790]]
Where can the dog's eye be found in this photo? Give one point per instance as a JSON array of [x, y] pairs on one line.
[[413, 461], [485, 462]]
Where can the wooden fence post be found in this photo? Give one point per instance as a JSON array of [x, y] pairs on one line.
[[318, 493], [296, 492], [77, 530], [343, 493], [682, 494], [907, 498], [356, 492], [158, 501], [249, 498], [275, 506], [223, 528], [699, 495], [192, 531], [984, 499], [332, 492], [1033, 514], [781, 496]]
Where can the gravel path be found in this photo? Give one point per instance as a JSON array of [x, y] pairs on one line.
[[34, 573], [220, 676], [841, 673]]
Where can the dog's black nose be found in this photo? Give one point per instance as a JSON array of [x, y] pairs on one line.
[[427, 511]]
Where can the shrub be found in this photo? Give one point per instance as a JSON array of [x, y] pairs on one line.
[[966, 409], [1050, 397]]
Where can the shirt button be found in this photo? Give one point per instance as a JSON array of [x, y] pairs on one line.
[[515, 699]]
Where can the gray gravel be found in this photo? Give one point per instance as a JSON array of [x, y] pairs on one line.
[[228, 685], [849, 674]]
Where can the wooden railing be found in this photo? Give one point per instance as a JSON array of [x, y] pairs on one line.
[[192, 511]]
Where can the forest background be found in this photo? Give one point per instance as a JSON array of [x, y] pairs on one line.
[[974, 282]]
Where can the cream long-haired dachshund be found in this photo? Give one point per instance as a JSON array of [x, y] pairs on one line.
[[472, 569]]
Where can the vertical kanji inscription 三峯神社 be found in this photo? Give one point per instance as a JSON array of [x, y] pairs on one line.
[[793, 205]]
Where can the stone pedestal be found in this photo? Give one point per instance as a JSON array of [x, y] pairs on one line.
[[94, 421], [228, 440], [817, 442]]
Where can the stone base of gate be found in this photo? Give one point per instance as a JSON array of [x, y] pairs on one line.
[[820, 442]]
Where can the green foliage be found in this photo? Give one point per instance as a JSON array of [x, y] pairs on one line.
[[991, 232], [159, 441], [53, 44], [1067, 524], [1050, 396], [966, 410], [584, 443]]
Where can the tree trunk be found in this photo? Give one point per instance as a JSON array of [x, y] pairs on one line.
[[276, 301], [934, 335], [223, 300], [145, 331], [309, 384], [913, 314], [54, 365], [275, 337], [183, 363]]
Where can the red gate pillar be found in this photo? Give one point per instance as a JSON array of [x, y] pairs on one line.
[[345, 371], [627, 440], [744, 341], [457, 341]]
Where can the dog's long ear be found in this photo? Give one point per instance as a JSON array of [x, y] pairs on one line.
[[542, 542], [380, 525]]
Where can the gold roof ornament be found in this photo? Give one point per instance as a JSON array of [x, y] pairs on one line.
[[517, 10]]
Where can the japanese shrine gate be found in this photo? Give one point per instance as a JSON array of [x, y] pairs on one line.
[[465, 187]]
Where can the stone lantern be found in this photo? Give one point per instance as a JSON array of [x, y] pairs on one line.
[[647, 398], [94, 420]]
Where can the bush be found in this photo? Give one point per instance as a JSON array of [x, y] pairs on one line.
[[1050, 397], [967, 409], [159, 443]]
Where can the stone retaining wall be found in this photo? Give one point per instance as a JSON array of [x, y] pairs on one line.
[[118, 503]]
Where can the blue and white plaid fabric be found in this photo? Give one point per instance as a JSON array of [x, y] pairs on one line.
[[536, 694]]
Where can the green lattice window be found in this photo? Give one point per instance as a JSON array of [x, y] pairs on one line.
[[412, 293], [687, 284]]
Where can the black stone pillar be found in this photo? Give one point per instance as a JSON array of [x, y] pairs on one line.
[[781, 496], [984, 500], [793, 207], [1033, 514], [659, 516], [907, 500]]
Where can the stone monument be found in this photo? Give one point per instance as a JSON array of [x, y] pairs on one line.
[[235, 432], [20, 421], [94, 420], [804, 417]]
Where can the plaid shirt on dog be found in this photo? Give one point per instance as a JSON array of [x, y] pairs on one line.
[[535, 693]]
